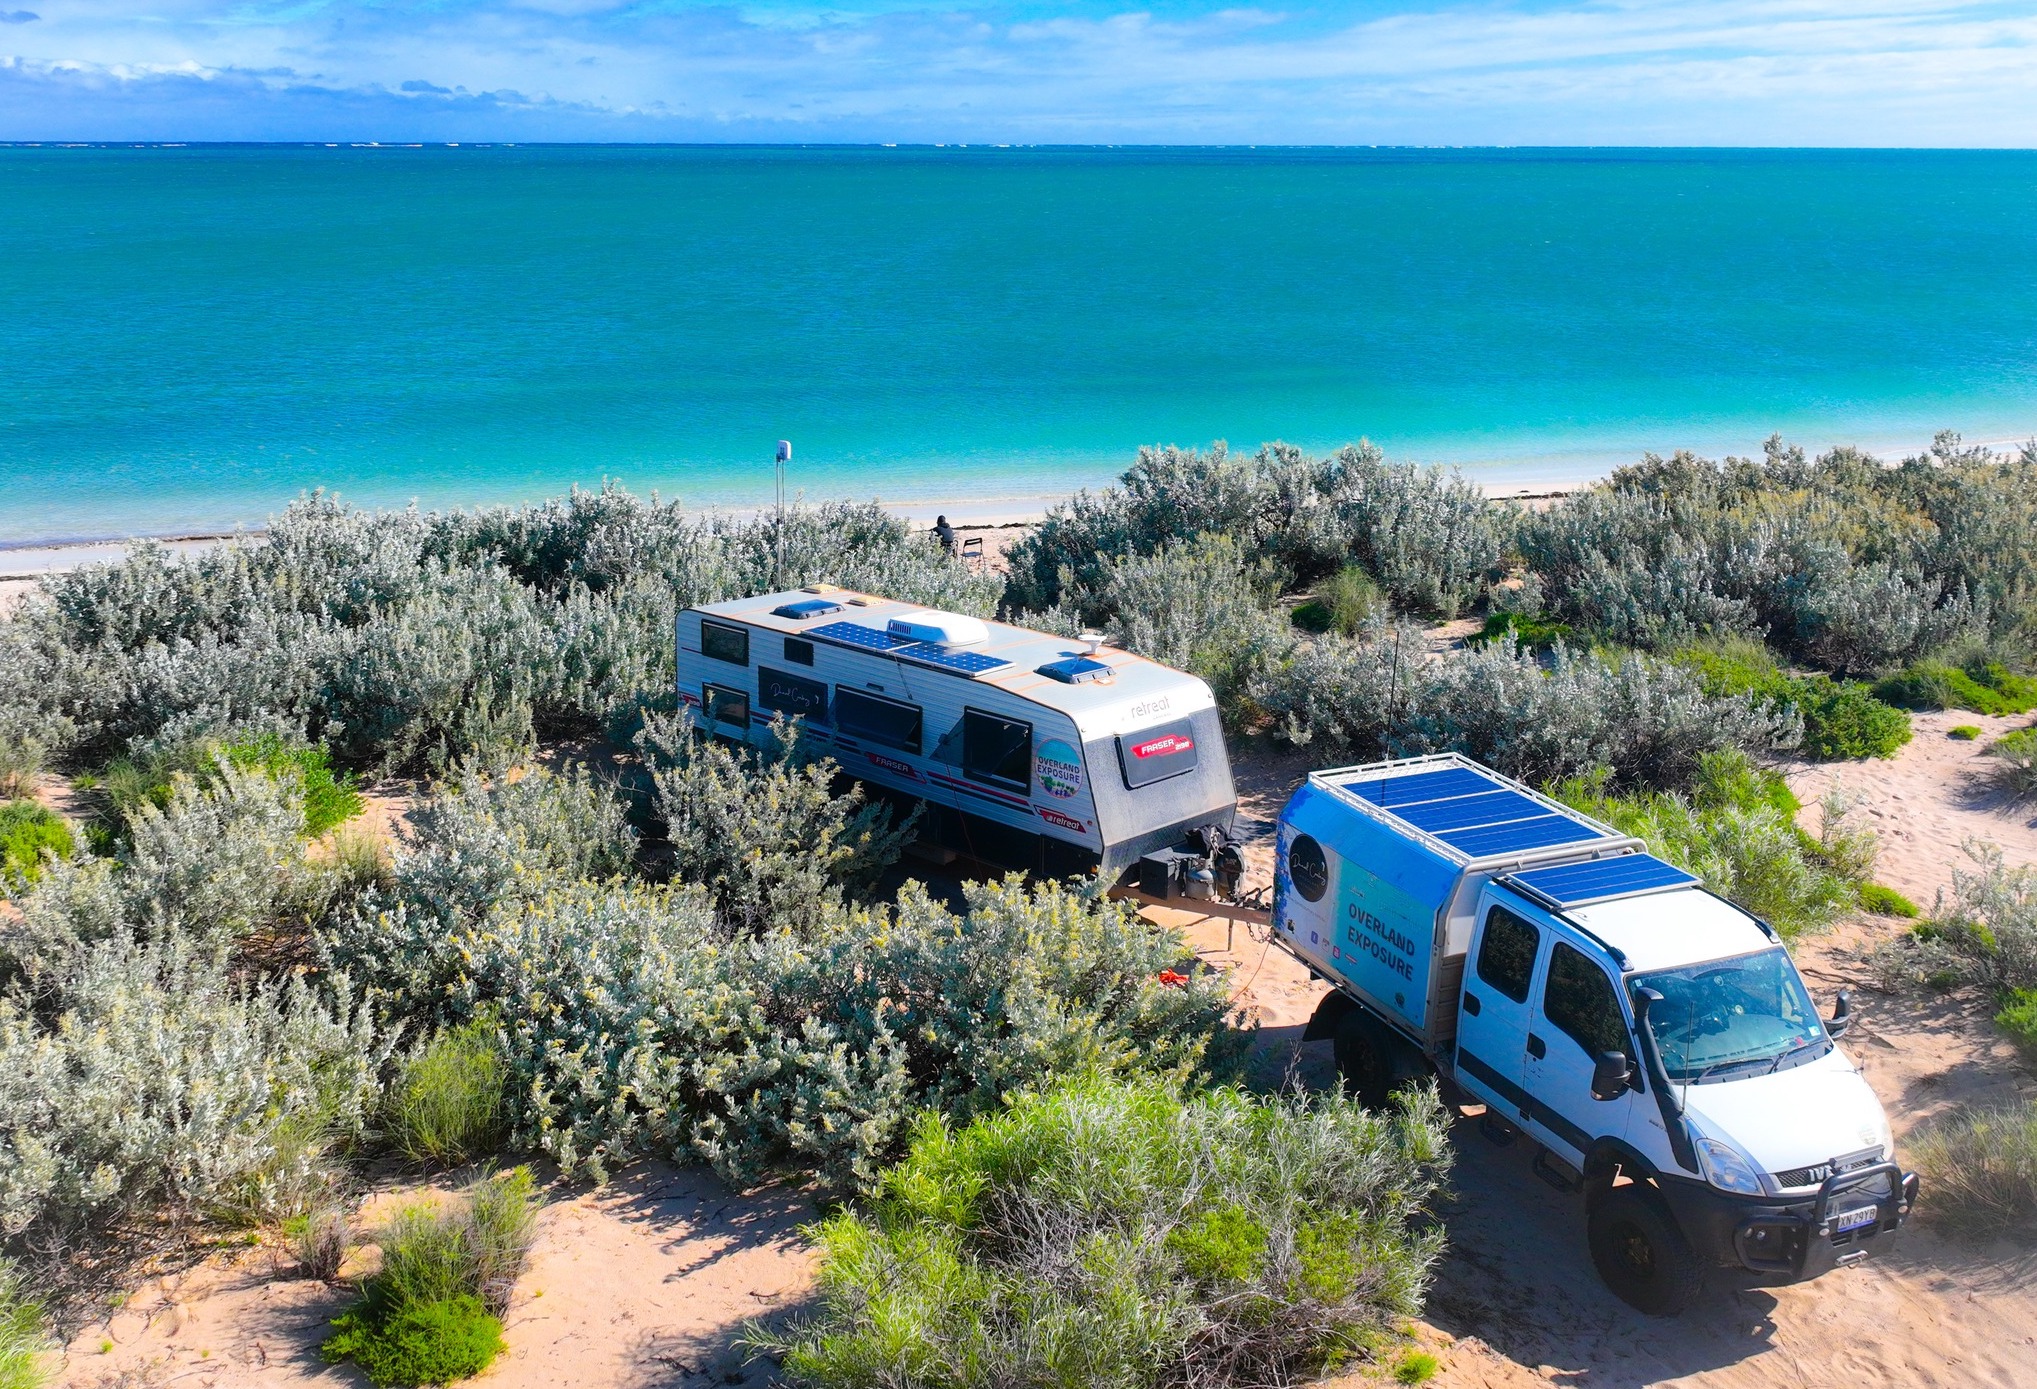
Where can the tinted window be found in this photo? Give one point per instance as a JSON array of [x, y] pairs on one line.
[[1506, 955], [784, 693], [725, 643], [883, 721], [799, 651], [725, 705], [1157, 753], [1307, 868], [997, 749], [1580, 1001]]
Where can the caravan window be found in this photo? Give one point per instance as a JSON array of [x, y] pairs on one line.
[[997, 750], [725, 643], [788, 694], [799, 651], [886, 722], [725, 705], [1157, 753]]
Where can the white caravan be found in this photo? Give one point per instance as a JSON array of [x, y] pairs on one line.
[[1050, 754]]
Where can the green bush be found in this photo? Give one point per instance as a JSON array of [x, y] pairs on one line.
[[1983, 932], [1342, 603], [2018, 1018], [1985, 688], [418, 1343], [1964, 732], [27, 830], [432, 1314], [1737, 831], [2014, 768], [1980, 1166], [1415, 1367], [1531, 633], [1114, 1233], [330, 800], [1843, 721], [25, 1343], [448, 1104], [1885, 901]]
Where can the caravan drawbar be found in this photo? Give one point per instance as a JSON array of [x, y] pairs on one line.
[[1051, 754]]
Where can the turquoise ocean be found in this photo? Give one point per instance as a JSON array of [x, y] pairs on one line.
[[189, 337]]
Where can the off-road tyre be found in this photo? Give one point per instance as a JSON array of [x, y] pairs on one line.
[[1639, 1251], [1365, 1060]]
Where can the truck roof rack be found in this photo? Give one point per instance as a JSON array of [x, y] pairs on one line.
[[1462, 810]]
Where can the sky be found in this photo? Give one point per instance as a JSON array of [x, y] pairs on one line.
[[1495, 72]]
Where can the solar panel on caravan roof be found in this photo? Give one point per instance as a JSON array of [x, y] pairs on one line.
[[1574, 884], [965, 662], [855, 634]]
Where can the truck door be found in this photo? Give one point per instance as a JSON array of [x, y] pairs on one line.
[[1577, 1017], [1492, 1023]]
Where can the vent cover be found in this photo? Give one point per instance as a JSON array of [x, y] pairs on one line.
[[1076, 670], [805, 608]]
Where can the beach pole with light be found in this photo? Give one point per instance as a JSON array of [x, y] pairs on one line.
[[784, 457]]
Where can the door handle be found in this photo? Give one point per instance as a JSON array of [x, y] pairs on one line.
[[1471, 1003], [1537, 1048]]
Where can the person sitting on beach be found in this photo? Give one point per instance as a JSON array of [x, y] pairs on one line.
[[945, 533]]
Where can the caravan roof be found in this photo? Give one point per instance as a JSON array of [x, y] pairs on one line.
[[1100, 690]]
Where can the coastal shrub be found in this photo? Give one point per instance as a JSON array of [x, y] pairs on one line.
[[410, 640], [26, 1347], [1529, 633], [762, 830], [1117, 1233], [22, 760], [1342, 603], [147, 1082], [633, 1024], [28, 831], [1987, 688], [2013, 762], [1843, 721], [318, 1240], [2018, 1020], [1982, 932], [447, 1104], [1203, 607], [1886, 901], [1979, 1166], [1428, 538], [1414, 1367], [1963, 732], [432, 1313], [1379, 694], [1736, 830], [1844, 564]]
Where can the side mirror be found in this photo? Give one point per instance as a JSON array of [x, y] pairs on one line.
[[1610, 1076], [1842, 1014]]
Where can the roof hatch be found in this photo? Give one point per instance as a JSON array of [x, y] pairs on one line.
[[939, 628]]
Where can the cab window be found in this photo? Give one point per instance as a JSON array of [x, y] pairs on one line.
[[1506, 953], [1579, 1001]]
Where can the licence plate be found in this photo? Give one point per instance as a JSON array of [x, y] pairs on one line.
[[1855, 1219]]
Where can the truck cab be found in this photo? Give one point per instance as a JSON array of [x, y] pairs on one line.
[[1654, 1040]]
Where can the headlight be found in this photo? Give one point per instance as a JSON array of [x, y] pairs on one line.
[[1725, 1169]]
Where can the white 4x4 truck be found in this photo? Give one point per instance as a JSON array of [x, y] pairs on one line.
[[1655, 1040]]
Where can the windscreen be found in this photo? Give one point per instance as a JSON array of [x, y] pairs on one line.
[[1726, 1018]]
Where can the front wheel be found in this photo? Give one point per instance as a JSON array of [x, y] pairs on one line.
[[1640, 1253]]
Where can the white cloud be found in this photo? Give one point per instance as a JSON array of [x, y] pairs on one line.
[[1604, 71]]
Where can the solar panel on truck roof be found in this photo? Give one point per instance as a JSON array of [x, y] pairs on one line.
[[1575, 884], [1472, 811]]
